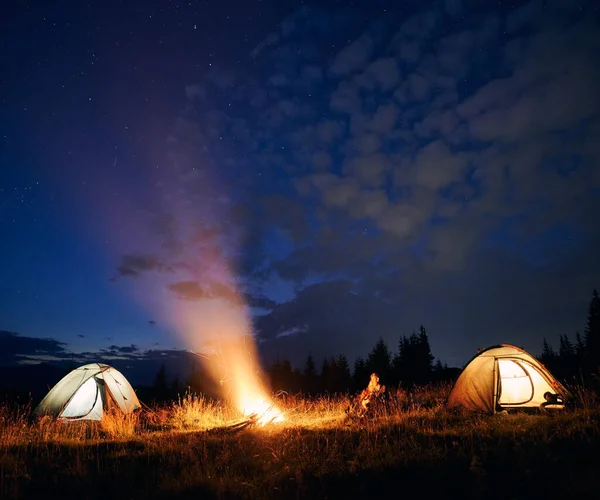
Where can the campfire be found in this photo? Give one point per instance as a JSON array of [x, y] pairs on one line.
[[258, 408], [235, 365], [364, 402]]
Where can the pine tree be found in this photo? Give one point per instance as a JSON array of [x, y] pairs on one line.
[[567, 358], [160, 382], [592, 335], [175, 386], [401, 362], [425, 356], [275, 375], [548, 357], [380, 361], [288, 381], [344, 380], [327, 373], [579, 345], [360, 376], [310, 376], [566, 348], [580, 354]]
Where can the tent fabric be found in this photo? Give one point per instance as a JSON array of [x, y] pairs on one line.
[[503, 377], [87, 393], [474, 388]]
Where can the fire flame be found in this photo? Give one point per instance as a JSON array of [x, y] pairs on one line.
[[242, 380], [265, 412], [230, 355]]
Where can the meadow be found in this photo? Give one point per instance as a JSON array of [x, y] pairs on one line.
[[196, 448]]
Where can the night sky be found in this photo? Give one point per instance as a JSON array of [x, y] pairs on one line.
[[340, 171]]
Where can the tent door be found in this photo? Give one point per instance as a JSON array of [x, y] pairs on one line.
[[515, 387], [86, 402]]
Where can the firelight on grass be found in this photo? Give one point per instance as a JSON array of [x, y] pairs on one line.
[[264, 411]]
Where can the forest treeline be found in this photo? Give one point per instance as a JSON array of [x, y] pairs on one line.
[[575, 361]]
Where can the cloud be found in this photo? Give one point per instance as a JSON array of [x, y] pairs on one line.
[[14, 346], [380, 173], [353, 56], [116, 350], [134, 264], [382, 74], [346, 98], [192, 290], [453, 7]]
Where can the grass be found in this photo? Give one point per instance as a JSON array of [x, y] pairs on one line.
[[189, 449]]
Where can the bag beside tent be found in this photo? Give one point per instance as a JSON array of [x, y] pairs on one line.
[[504, 377], [87, 393]]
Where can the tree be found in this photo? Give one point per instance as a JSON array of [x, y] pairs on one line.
[[548, 357], [327, 374], [283, 377], [344, 379], [592, 335], [309, 375], [425, 356], [380, 361], [579, 347], [413, 364], [401, 362], [567, 358], [360, 376], [175, 386], [275, 375], [160, 382]]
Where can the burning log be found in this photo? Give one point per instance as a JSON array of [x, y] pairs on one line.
[[368, 398]]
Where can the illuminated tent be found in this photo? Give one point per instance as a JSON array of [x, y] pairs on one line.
[[87, 393], [504, 377]]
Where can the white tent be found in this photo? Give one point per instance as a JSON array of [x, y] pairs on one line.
[[87, 393], [505, 377]]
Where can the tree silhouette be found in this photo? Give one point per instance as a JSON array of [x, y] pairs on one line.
[[380, 361], [401, 361], [413, 363], [309, 376], [567, 359], [343, 377], [425, 356], [327, 374], [360, 376], [160, 383], [549, 356], [284, 378], [592, 336]]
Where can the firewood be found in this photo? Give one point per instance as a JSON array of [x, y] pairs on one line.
[[373, 393]]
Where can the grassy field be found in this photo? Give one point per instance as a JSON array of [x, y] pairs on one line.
[[191, 450]]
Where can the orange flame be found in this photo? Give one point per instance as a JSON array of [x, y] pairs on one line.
[[229, 351]]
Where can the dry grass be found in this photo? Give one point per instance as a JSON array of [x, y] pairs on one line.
[[189, 449], [194, 412], [118, 425]]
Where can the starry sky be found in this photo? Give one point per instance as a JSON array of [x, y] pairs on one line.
[[333, 172]]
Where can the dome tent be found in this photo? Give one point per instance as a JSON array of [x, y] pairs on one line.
[[87, 393], [504, 377]]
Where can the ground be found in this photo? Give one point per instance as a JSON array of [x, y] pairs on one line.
[[190, 450]]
